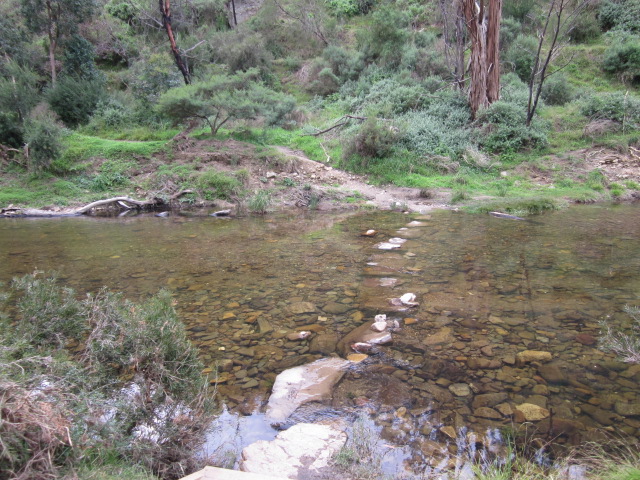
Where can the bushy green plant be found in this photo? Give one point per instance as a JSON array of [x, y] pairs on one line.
[[112, 174], [74, 100], [510, 28], [622, 58], [241, 49], [556, 90], [386, 36], [43, 137], [260, 202], [504, 128], [349, 8], [521, 55], [373, 139], [134, 390], [213, 184], [616, 106], [586, 27], [78, 59], [336, 66], [620, 15], [226, 97], [518, 9]]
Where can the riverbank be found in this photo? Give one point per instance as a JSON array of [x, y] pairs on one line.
[[248, 178]]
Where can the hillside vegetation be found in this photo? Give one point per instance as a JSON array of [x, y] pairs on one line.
[[97, 92]]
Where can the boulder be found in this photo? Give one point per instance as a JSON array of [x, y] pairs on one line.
[[528, 356], [362, 334], [444, 335], [553, 373], [532, 413], [324, 343], [312, 382], [299, 308], [303, 449]]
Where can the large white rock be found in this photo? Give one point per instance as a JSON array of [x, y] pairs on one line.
[[312, 382], [304, 446]]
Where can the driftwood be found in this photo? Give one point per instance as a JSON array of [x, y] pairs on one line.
[[115, 203], [340, 122]]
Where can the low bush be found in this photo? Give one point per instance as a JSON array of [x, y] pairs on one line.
[[521, 56], [43, 136], [132, 392], [619, 107], [620, 15], [556, 90], [374, 139], [241, 49], [74, 100], [623, 59], [213, 185]]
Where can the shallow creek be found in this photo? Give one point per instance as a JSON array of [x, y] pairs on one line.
[[488, 289]]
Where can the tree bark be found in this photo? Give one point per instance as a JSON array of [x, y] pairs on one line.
[[121, 203], [483, 25], [52, 32], [165, 11]]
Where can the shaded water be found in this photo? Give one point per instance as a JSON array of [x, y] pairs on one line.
[[488, 289]]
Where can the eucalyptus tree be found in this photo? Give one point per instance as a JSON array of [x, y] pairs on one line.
[[56, 19]]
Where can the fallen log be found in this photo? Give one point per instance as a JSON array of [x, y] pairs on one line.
[[114, 203]]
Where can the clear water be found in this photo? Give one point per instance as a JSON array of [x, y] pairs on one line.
[[487, 289]]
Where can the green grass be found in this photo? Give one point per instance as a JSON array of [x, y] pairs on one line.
[[80, 148]]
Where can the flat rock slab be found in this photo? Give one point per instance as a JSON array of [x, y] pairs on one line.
[[312, 382], [304, 447], [214, 473]]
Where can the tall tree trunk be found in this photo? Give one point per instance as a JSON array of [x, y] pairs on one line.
[[165, 11], [484, 69], [52, 33]]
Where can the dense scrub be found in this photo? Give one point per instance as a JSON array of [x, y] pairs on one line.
[[96, 383]]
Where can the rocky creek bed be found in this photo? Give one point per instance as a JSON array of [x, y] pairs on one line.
[[502, 331]]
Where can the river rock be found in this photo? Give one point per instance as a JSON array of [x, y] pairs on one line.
[[312, 382], [362, 334], [336, 308], [379, 326], [299, 308], [486, 412], [553, 373], [628, 409], [532, 413], [324, 343], [302, 450], [444, 335], [298, 335], [586, 339], [460, 389], [489, 399], [528, 356]]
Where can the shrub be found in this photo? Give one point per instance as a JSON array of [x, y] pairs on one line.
[[623, 59], [213, 184], [504, 128], [74, 100], [386, 36], [521, 56], [518, 9], [617, 106], [620, 15], [585, 28], [510, 28], [556, 90], [260, 202], [373, 139], [241, 50], [134, 390], [78, 59], [44, 138]]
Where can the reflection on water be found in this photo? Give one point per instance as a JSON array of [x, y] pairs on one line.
[[488, 289]]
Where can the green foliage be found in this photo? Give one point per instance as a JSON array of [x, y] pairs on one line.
[[19, 93], [44, 138], [556, 90], [521, 55], [78, 59], [63, 16], [349, 8], [74, 99], [386, 35], [133, 394], [226, 97], [616, 106], [622, 58], [259, 202], [518, 9], [520, 207], [586, 27], [596, 180], [112, 174], [51, 315], [213, 184], [241, 49], [336, 66], [620, 15], [373, 139], [152, 75]]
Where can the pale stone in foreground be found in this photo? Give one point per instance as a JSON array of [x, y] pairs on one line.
[[533, 356], [304, 446], [312, 382], [532, 412]]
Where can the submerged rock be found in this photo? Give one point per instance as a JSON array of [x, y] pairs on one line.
[[533, 356], [302, 449], [312, 382], [532, 413]]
